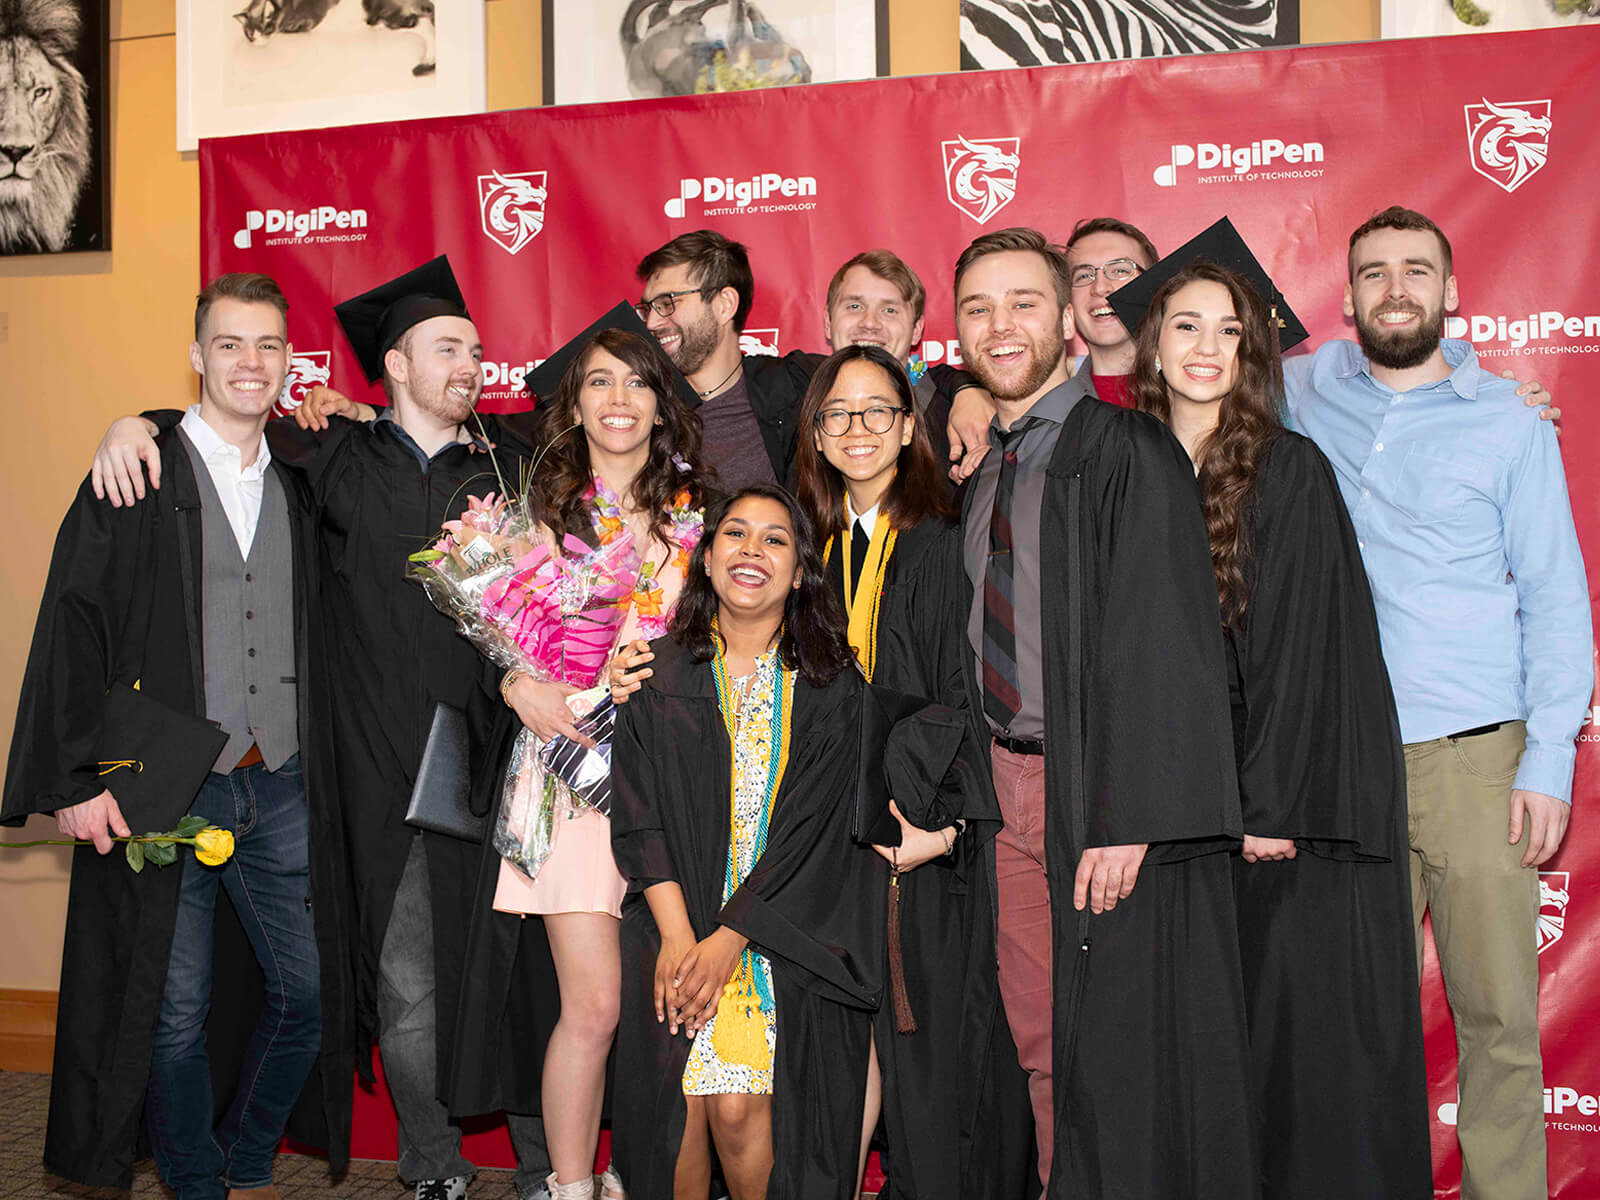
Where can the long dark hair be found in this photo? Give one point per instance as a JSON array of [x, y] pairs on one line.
[[813, 638], [1248, 423], [559, 485], [917, 491]]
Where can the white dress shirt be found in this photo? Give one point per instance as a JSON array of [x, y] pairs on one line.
[[866, 520], [240, 487]]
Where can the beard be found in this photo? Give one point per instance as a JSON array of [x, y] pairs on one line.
[[699, 342], [437, 400], [1400, 350], [1046, 356]]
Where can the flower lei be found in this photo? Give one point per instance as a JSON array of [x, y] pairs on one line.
[[684, 526]]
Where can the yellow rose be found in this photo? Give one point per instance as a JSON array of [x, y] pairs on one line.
[[213, 846]]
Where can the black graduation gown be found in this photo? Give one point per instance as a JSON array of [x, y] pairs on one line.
[[955, 1108], [395, 657], [119, 924], [1149, 1042], [815, 904], [392, 658], [1326, 940]]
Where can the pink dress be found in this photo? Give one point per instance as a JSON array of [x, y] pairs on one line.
[[580, 875]]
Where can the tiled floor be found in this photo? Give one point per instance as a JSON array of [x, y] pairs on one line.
[[22, 1112]]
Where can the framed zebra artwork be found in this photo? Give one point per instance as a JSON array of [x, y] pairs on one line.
[[1038, 33]]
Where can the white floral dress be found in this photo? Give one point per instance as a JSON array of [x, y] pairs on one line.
[[707, 1073]]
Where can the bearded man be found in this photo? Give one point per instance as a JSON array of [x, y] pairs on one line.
[[1117, 952], [379, 488], [1460, 505]]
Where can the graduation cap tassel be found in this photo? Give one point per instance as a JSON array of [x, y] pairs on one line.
[[738, 1034], [904, 1020]]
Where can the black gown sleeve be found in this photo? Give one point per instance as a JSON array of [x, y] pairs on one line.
[[638, 838], [814, 897], [1320, 756], [88, 594], [311, 452]]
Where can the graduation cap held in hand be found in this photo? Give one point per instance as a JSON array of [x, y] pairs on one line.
[[375, 320], [543, 379], [1222, 245], [153, 758]]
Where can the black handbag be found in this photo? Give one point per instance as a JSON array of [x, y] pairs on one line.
[[440, 797]]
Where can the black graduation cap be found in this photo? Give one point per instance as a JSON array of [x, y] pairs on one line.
[[153, 758], [542, 380], [1220, 244], [374, 321]]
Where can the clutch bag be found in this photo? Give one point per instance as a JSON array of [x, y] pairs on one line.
[[440, 797]]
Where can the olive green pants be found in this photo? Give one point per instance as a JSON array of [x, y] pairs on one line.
[[1485, 907]]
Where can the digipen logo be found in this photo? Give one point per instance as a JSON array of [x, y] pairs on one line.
[[759, 341], [312, 225], [307, 369], [1264, 157], [1509, 141], [980, 174], [1553, 897], [511, 207], [1519, 331], [770, 192]]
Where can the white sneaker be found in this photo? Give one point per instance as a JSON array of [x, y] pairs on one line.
[[454, 1188], [582, 1190]]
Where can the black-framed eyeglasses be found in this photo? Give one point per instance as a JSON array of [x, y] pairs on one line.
[[836, 422], [664, 304], [1117, 272]]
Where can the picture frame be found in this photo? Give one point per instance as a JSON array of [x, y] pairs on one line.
[[603, 50], [254, 66], [55, 190], [997, 34]]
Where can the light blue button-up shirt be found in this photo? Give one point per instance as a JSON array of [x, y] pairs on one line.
[[1459, 501]]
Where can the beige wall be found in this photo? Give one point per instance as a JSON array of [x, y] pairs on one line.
[[85, 337]]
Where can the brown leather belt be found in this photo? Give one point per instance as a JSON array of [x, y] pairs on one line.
[[252, 758]]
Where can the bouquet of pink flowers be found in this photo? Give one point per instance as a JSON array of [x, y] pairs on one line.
[[529, 603], [523, 601]]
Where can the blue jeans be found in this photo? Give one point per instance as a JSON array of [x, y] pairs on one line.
[[268, 880]]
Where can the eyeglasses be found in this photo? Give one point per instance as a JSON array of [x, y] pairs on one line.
[[836, 422], [664, 304], [1117, 272]]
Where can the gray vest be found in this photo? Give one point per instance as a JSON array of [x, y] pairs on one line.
[[248, 616]]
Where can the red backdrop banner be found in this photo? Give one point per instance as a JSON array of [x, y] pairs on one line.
[[545, 212]]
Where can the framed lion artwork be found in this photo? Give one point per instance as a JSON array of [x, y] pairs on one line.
[[54, 192]]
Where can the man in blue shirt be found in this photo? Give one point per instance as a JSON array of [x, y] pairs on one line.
[[1460, 504]]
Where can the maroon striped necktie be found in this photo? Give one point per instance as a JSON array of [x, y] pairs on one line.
[[1002, 697]]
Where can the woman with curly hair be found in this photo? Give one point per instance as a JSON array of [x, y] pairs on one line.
[[753, 934], [1321, 884], [619, 493], [943, 1072]]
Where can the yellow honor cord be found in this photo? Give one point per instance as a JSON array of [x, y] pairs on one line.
[[862, 604], [738, 1034]]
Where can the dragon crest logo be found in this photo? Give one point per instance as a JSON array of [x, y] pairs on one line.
[[759, 341], [1508, 142], [980, 174], [307, 369], [512, 207], [1553, 897]]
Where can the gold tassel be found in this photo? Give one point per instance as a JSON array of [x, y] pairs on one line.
[[738, 1035], [904, 1020]]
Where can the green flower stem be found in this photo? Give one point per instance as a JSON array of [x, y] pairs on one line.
[[139, 837]]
